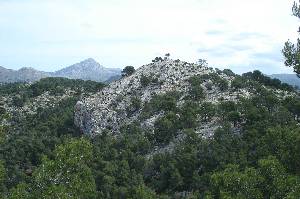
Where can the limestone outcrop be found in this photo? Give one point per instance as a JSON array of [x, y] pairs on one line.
[[108, 109]]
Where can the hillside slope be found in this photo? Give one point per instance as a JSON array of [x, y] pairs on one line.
[[128, 99]]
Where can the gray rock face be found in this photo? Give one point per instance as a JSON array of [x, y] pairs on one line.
[[88, 69], [108, 108]]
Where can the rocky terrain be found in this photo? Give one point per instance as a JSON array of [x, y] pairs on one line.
[[88, 69], [21, 100], [110, 108], [45, 100]]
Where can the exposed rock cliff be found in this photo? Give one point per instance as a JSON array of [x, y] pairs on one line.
[[110, 109]]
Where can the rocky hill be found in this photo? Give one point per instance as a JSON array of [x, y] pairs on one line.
[[130, 98], [88, 69]]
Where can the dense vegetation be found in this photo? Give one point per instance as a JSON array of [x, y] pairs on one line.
[[275, 83], [253, 154]]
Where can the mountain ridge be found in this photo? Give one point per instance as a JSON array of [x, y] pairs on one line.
[[87, 69], [291, 79]]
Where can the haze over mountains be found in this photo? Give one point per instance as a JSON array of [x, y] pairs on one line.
[[88, 69], [291, 79]]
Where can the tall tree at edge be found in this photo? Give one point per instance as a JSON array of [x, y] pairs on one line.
[[291, 51]]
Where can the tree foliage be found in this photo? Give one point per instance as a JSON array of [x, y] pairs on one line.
[[127, 71], [291, 51], [68, 174]]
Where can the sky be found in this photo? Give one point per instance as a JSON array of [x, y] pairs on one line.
[[242, 35]]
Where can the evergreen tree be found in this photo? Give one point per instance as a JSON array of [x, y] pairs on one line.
[[291, 51]]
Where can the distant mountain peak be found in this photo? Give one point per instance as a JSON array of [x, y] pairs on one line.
[[85, 64], [89, 60], [88, 69]]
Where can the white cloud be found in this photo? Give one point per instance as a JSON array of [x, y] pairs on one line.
[[48, 34]]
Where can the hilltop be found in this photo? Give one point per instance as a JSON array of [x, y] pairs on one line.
[[131, 99]]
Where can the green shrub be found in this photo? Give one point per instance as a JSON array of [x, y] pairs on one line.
[[223, 84], [18, 101], [207, 111], [135, 105], [166, 128], [2, 111], [228, 72], [127, 71], [196, 91], [145, 81], [238, 82]]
